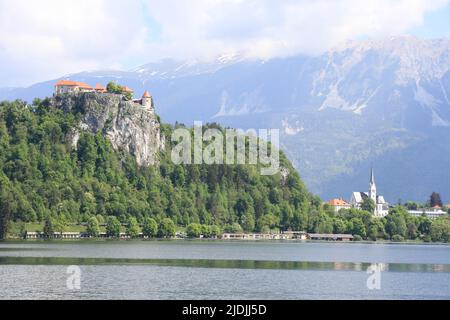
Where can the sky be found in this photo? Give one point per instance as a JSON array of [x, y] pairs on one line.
[[46, 39]]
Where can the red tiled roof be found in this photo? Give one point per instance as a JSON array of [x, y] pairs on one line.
[[71, 83], [338, 202], [65, 83], [146, 94], [98, 86]]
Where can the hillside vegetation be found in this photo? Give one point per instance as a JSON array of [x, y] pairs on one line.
[[47, 183], [42, 177]]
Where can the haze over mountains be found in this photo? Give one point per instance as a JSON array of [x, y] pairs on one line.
[[384, 103]]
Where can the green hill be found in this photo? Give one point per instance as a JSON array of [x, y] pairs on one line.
[[44, 177]]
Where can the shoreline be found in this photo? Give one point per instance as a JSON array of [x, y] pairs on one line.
[[117, 240]]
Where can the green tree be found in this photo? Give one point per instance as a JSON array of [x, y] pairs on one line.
[[435, 200], [248, 221], [358, 227], [93, 228], [424, 225], [376, 229], [113, 87], [410, 205], [48, 228], [396, 222], [287, 215], [339, 226], [368, 205], [100, 219], [166, 228], [234, 228], [194, 230], [150, 228], [440, 230], [6, 201], [411, 230], [205, 230], [132, 228], [113, 227], [215, 231]]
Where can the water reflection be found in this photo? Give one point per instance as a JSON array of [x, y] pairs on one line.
[[227, 264]]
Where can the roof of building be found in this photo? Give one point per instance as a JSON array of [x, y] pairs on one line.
[[360, 196], [437, 207], [98, 86], [70, 83], [338, 202], [380, 200], [65, 83], [146, 94]]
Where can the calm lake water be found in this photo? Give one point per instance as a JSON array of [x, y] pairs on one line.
[[223, 270]]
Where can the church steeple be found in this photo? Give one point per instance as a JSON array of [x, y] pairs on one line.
[[372, 187]]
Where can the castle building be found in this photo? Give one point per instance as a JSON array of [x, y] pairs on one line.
[[381, 206], [69, 86], [146, 101], [100, 88]]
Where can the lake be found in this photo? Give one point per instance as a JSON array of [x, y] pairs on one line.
[[183, 269]]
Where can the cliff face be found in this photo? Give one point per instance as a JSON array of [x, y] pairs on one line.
[[129, 126]]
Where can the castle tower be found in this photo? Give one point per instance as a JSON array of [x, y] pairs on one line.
[[372, 188], [147, 100]]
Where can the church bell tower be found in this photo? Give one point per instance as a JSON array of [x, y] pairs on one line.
[[372, 187]]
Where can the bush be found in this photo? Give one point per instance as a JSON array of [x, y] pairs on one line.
[[357, 237], [234, 228], [397, 238]]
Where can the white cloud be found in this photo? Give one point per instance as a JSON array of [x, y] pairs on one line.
[[48, 38], [266, 28]]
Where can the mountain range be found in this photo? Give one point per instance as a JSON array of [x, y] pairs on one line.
[[374, 103]]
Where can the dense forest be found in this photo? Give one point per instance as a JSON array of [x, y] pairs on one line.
[[44, 180], [42, 177]]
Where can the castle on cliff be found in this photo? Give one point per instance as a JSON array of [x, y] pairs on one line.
[[69, 86]]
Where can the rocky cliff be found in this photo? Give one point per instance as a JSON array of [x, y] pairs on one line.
[[128, 125]]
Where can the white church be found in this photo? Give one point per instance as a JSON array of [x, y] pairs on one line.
[[381, 206]]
